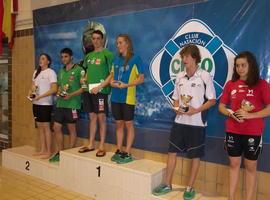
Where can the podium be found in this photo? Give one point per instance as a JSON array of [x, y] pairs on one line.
[[21, 159], [103, 179], [99, 178]]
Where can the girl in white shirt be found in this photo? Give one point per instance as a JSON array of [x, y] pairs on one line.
[[44, 85]]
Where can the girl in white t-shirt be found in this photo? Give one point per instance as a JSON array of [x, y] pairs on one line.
[[44, 85]]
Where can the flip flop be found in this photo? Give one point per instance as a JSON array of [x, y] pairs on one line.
[[85, 149], [100, 153]]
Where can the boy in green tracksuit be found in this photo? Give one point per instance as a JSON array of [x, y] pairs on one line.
[[68, 101]]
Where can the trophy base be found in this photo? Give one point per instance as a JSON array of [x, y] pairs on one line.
[[117, 82], [185, 109], [62, 95], [236, 116], [84, 86], [32, 96], [233, 113]]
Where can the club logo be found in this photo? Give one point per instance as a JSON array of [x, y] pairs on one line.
[[251, 141], [250, 93], [71, 78], [233, 92], [217, 58], [230, 139], [98, 61]]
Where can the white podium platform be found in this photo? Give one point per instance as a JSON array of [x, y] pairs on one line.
[[21, 159], [99, 178]]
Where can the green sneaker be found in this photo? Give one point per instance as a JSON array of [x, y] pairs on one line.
[[55, 158], [116, 156], [162, 189], [189, 193], [124, 158]]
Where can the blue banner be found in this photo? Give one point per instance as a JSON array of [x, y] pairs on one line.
[[220, 29]]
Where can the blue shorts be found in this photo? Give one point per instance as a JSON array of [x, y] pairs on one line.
[[188, 139]]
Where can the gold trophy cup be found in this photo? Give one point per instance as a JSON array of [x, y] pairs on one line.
[[83, 80], [185, 100], [34, 92], [247, 106], [64, 93]]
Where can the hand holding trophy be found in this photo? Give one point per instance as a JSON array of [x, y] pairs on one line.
[[83, 80], [64, 93], [241, 114], [34, 92], [120, 74], [185, 101], [184, 104]]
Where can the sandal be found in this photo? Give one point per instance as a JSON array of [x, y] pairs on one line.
[[100, 153], [85, 149]]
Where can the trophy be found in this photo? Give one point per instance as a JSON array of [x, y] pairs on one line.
[[34, 92], [64, 93], [120, 74], [83, 79], [185, 100], [245, 105]]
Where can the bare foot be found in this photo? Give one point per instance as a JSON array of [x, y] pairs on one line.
[[39, 153], [101, 147], [90, 146], [46, 156]]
